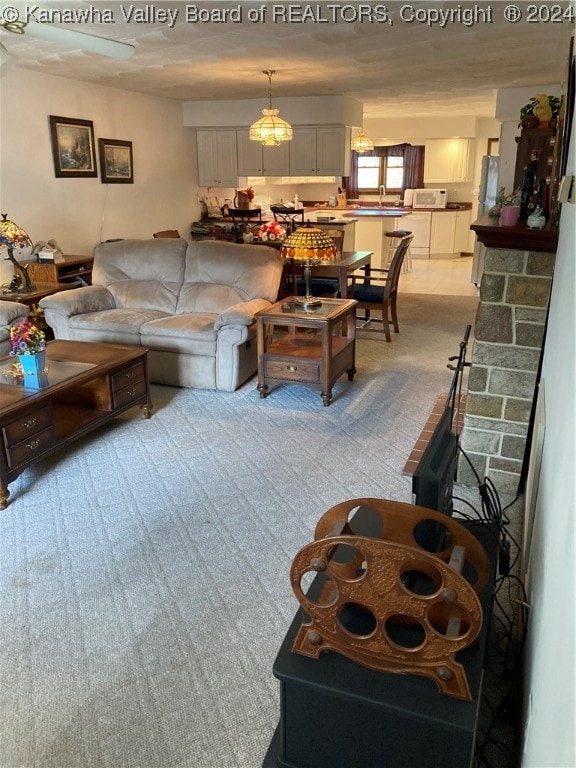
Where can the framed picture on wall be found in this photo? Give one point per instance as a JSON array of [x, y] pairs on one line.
[[73, 147], [115, 161]]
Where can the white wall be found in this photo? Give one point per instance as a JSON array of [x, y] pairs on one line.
[[79, 213], [550, 673], [303, 110]]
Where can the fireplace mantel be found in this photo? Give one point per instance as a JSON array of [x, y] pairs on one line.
[[493, 235]]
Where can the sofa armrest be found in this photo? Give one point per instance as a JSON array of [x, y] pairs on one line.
[[78, 301], [241, 313], [10, 311]]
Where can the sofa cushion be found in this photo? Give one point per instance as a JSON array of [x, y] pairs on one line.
[[141, 273], [124, 321], [219, 274], [192, 334]]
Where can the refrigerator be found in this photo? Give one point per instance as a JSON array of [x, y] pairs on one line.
[[486, 200]]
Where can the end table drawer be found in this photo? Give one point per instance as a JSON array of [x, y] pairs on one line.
[[296, 371], [27, 425], [130, 376], [131, 392], [28, 449]]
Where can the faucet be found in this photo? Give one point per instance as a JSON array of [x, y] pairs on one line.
[[381, 193]]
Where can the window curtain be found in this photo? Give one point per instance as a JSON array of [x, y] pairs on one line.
[[351, 182], [413, 167]]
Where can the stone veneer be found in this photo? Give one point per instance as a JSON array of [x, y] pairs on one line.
[[509, 332]]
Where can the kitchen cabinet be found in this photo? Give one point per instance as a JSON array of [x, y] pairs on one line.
[[463, 235], [256, 160], [217, 158], [449, 234], [370, 235], [446, 161], [442, 231], [320, 151], [419, 223]]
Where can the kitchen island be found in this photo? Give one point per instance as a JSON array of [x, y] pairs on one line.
[[439, 233]]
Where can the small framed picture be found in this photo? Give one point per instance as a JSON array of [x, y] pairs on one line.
[[73, 147], [115, 161]]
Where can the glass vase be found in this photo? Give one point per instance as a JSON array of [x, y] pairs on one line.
[[33, 365]]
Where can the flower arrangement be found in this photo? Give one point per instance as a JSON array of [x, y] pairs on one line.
[[26, 339], [513, 198], [271, 230]]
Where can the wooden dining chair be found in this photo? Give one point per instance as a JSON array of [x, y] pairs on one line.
[[377, 291]]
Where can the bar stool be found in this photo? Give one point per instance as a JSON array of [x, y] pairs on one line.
[[394, 239]]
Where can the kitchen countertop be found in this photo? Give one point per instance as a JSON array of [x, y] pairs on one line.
[[372, 211]]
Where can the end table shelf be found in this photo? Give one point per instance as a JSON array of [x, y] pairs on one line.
[[313, 346]]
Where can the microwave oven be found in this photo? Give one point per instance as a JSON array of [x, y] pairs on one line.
[[430, 198]]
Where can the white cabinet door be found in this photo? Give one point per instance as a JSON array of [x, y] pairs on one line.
[[462, 235], [419, 224], [442, 232], [256, 160], [249, 155], [331, 151], [303, 152], [319, 151], [217, 158], [276, 160], [446, 160]]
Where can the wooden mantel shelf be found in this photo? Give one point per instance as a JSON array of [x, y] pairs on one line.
[[493, 235]]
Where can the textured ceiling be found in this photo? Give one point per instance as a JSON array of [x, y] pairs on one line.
[[398, 67]]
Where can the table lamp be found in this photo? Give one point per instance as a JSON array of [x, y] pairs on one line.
[[12, 236], [311, 246]]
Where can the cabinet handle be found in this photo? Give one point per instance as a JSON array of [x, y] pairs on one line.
[[29, 423], [292, 368], [33, 445], [129, 374], [131, 392]]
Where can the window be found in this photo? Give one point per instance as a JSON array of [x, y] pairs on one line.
[[394, 175], [375, 170], [368, 173]]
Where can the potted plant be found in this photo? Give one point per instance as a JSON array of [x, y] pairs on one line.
[[28, 345], [509, 205], [540, 112]]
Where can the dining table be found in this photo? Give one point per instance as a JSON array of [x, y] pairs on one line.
[[341, 267], [344, 265]]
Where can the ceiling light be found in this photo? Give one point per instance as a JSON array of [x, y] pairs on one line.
[[270, 130], [362, 143]]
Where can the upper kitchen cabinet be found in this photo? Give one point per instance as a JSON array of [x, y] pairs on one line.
[[217, 158], [256, 160], [446, 161], [320, 151]]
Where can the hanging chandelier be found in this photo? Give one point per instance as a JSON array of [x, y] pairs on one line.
[[270, 130], [362, 143]]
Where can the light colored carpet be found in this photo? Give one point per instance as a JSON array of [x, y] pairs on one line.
[[144, 570]]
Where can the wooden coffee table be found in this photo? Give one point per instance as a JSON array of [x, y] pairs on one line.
[[84, 386], [313, 346]]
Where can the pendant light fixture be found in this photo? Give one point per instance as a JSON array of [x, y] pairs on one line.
[[270, 130], [362, 143]]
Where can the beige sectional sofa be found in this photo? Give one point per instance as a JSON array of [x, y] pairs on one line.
[[11, 313], [192, 305]]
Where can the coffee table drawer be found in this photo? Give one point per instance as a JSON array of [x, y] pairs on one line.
[[296, 371], [28, 449], [27, 425], [131, 392], [131, 375]]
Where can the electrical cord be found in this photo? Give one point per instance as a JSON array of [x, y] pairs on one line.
[[497, 737]]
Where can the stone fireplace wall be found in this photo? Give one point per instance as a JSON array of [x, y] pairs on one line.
[[509, 332]]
